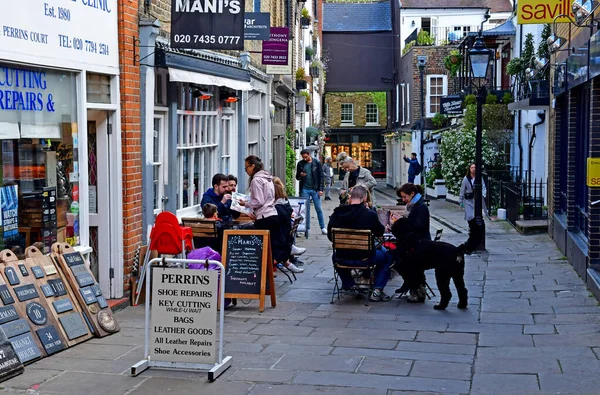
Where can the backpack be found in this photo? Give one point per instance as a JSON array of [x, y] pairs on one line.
[[418, 169]]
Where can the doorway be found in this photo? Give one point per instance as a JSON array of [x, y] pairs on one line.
[[100, 163]]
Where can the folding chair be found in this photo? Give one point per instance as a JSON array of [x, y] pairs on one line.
[[359, 243], [297, 221]]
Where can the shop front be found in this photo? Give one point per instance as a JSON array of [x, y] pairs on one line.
[[209, 114], [574, 199], [60, 132], [366, 146]]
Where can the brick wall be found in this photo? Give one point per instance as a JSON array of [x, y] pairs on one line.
[[334, 103], [130, 135], [435, 65]]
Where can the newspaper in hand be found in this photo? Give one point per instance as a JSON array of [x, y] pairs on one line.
[[235, 203]]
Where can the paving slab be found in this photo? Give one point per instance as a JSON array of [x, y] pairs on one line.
[[78, 383], [442, 370], [516, 366], [272, 389], [446, 337], [162, 385], [392, 367], [381, 382], [319, 363], [506, 383]]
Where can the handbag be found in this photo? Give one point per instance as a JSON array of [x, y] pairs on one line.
[[469, 195]]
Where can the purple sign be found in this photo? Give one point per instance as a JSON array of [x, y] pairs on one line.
[[275, 50]]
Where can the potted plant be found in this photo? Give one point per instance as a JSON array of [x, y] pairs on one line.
[[439, 120], [300, 78], [305, 19], [315, 68], [453, 62], [514, 66], [309, 51], [423, 38]]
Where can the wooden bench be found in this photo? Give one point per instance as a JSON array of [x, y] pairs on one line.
[[203, 229]]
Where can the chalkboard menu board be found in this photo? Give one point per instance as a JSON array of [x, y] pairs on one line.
[[248, 265], [244, 264]]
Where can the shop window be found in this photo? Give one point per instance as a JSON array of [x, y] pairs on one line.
[[158, 159], [407, 106], [347, 115], [280, 115], [582, 145], [253, 136], [398, 101], [98, 88], [361, 152], [372, 116], [563, 149], [197, 145], [437, 86], [39, 187]]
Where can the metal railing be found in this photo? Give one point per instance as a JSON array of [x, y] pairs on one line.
[[446, 35], [522, 200]]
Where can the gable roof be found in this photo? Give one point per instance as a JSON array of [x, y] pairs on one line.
[[493, 5], [357, 17]]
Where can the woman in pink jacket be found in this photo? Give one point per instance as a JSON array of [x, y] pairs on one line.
[[262, 195]]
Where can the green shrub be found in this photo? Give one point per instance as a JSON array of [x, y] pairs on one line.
[[507, 98], [290, 163], [408, 47], [470, 99], [491, 99], [458, 152], [439, 120], [423, 38]]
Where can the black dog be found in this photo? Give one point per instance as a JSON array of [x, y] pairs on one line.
[[414, 257]]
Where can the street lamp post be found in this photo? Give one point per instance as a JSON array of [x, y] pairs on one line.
[[480, 57], [421, 63]]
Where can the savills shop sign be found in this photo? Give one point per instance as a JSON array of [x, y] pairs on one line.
[[543, 11]]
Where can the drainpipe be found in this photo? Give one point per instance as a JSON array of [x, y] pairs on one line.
[[542, 117], [149, 30], [520, 116]]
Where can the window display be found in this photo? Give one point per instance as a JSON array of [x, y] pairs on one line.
[[40, 172]]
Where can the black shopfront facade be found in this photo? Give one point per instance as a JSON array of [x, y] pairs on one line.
[[575, 220], [366, 145]]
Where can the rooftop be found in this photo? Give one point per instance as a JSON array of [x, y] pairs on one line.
[[357, 17], [493, 5]]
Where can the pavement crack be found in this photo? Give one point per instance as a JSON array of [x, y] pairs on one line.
[[362, 359], [276, 362]]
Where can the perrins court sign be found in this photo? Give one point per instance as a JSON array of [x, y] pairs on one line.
[[543, 11]]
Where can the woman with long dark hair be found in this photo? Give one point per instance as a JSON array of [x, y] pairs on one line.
[[262, 203], [467, 201], [418, 215]]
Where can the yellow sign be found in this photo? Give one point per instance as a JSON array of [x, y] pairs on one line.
[[543, 11], [593, 172]]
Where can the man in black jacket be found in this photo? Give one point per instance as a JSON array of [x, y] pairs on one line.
[[310, 174], [219, 196], [357, 215]]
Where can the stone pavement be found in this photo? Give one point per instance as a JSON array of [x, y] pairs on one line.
[[531, 328]]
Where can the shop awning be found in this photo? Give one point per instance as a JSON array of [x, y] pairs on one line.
[[178, 75]]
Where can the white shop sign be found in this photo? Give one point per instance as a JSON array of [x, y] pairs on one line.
[[181, 325], [61, 33], [184, 315]]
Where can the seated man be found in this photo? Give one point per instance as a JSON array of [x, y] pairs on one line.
[[356, 215], [219, 196]]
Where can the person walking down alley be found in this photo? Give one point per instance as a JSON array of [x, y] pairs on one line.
[[354, 175], [467, 201], [310, 174], [414, 169], [327, 176]]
